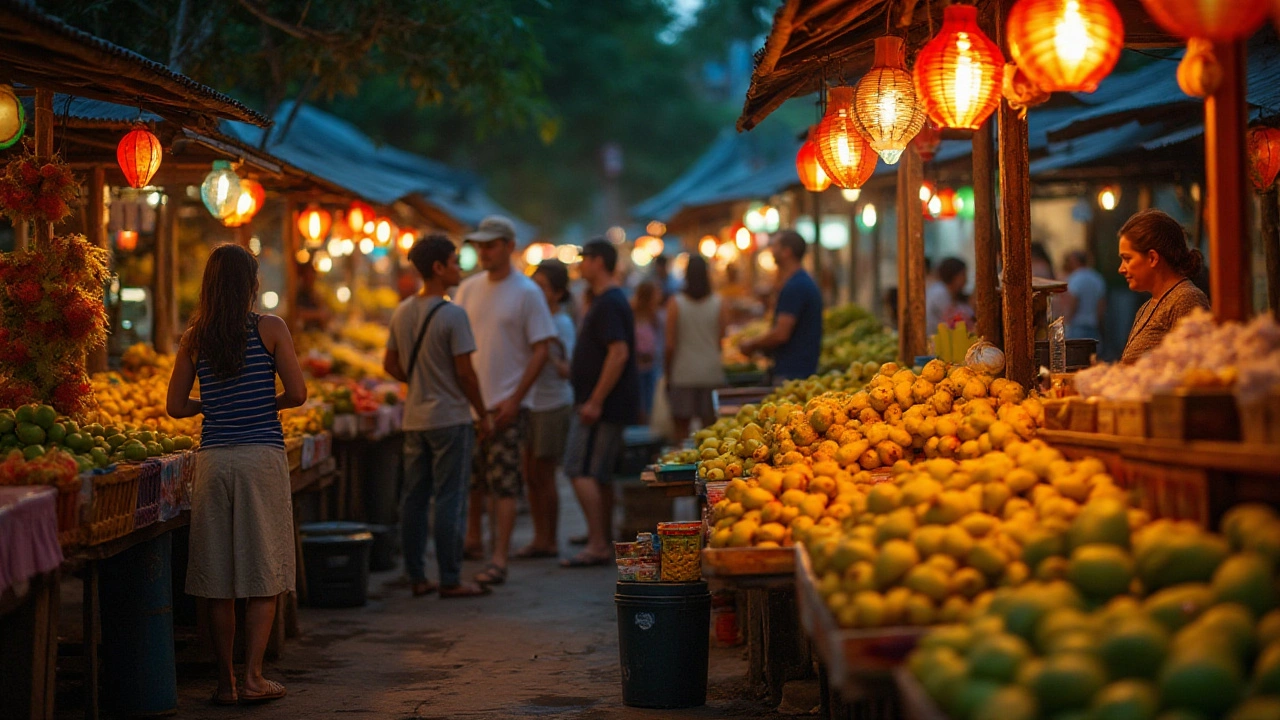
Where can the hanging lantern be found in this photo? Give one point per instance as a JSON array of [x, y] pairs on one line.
[[1264, 156], [313, 225], [383, 230], [357, 215], [1199, 73], [966, 207], [1108, 197], [946, 198], [127, 240], [248, 204], [926, 141], [885, 102], [843, 152], [1065, 45], [958, 73], [812, 176], [220, 190], [1019, 91], [139, 156], [1212, 19], [13, 118], [407, 239]]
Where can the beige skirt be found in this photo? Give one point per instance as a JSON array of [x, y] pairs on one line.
[[241, 523]]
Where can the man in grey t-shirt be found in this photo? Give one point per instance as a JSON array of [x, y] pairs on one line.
[[439, 435]]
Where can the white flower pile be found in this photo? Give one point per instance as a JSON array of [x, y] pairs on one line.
[[1248, 352]]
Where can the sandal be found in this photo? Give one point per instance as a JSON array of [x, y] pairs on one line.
[[222, 700], [463, 590], [277, 691], [492, 575], [529, 552], [426, 587], [582, 560]]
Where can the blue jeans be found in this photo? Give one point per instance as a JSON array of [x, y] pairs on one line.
[[648, 385], [437, 463]]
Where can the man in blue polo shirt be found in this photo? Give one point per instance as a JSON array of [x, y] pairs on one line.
[[795, 340]]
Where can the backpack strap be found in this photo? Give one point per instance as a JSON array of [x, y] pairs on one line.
[[417, 344]]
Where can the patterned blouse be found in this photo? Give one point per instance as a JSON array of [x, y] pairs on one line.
[[1157, 317]]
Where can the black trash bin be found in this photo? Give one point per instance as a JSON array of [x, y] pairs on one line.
[[337, 563], [663, 634]]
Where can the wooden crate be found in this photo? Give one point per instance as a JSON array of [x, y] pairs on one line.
[[1195, 414], [738, 562], [1083, 415], [1126, 418], [1260, 420], [1171, 492], [1057, 413]]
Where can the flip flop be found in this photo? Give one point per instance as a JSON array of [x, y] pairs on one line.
[[582, 561], [464, 590], [277, 692], [221, 700], [492, 575], [529, 552]]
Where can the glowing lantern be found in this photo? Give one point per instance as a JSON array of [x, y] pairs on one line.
[[707, 246], [885, 103], [126, 240], [946, 198], [868, 217], [1199, 72], [851, 194], [966, 206], [313, 224], [926, 191], [1109, 197], [383, 231], [812, 176], [959, 72], [1212, 19], [220, 190], [13, 119], [1264, 156], [843, 152], [138, 154], [1065, 45], [248, 204], [407, 239], [742, 238], [926, 141], [357, 215]]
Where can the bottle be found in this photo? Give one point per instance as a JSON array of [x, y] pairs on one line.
[[1057, 346]]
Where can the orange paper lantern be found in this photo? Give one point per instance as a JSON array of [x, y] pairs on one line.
[[1218, 20], [1065, 45], [843, 152], [313, 225], [1264, 156], [885, 102], [959, 72], [359, 214], [946, 203], [812, 176], [248, 204], [139, 156]]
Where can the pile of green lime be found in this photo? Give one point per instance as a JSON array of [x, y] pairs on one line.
[[36, 429]]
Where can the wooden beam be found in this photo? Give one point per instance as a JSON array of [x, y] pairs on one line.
[[1271, 246], [1015, 224], [289, 235], [986, 302], [912, 332], [1227, 209], [97, 359]]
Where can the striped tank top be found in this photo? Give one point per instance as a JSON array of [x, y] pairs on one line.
[[241, 410]]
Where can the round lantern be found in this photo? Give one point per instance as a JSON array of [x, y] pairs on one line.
[[13, 119], [959, 72], [966, 207], [926, 141], [139, 156], [248, 204], [1199, 72], [383, 230], [407, 239], [1213, 19], [885, 102], [843, 152], [1065, 45], [946, 203], [313, 225], [1264, 156], [357, 215], [812, 176], [220, 190]]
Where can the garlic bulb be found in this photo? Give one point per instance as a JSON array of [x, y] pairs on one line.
[[985, 357]]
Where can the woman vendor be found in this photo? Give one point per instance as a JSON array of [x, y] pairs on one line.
[[1155, 259]]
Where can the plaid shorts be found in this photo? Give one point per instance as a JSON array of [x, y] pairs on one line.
[[499, 461]]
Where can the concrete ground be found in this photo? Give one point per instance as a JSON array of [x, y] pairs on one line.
[[542, 645]]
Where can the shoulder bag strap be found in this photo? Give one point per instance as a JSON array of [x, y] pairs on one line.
[[417, 344]]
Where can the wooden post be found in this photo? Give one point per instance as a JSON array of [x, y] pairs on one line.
[[44, 151], [1227, 210], [1015, 224], [1271, 246], [911, 323], [161, 300], [986, 303], [855, 249], [96, 360], [289, 236]]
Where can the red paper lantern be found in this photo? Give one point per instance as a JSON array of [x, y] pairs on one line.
[[926, 141], [127, 240], [359, 214], [139, 156], [1264, 156], [248, 204], [843, 151], [946, 203], [1213, 19], [959, 72], [812, 176], [1065, 45], [313, 224]]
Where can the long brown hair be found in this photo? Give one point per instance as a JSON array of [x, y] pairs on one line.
[[218, 329], [1156, 230]]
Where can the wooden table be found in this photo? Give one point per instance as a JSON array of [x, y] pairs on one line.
[[29, 647]]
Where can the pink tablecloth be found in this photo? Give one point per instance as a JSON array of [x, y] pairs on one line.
[[28, 533]]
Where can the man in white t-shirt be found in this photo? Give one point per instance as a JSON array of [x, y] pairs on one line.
[[512, 326]]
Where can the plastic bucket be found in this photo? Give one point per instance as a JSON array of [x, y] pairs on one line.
[[662, 643], [336, 557]]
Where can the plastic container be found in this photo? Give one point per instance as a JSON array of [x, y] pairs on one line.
[[663, 631], [135, 589], [681, 548], [385, 547], [336, 556]]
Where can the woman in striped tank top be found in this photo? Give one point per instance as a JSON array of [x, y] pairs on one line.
[[241, 514]]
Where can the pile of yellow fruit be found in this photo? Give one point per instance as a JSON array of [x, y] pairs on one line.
[[136, 395], [1178, 623], [305, 420]]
